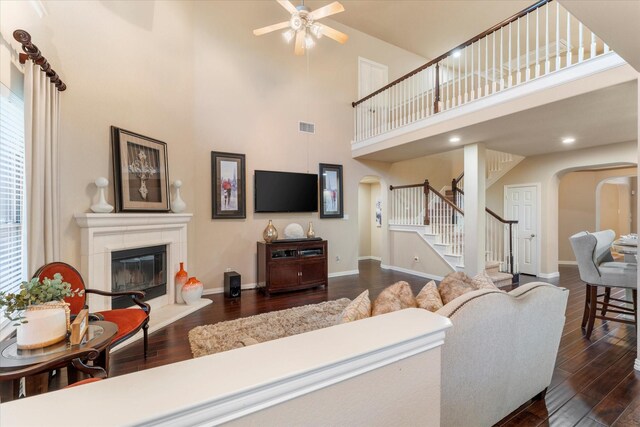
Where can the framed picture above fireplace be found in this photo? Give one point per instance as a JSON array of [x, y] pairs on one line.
[[140, 171]]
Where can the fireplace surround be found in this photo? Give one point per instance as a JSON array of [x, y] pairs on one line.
[[103, 234]]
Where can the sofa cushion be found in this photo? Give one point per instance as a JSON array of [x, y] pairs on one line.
[[429, 297], [483, 281], [393, 298], [454, 285], [357, 309]]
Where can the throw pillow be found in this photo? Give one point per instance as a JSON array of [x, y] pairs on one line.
[[395, 297], [483, 281], [357, 309], [454, 285], [429, 297]]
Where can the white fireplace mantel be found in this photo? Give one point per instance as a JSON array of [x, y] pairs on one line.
[[103, 234]]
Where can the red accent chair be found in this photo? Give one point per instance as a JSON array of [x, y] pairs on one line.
[[129, 321]]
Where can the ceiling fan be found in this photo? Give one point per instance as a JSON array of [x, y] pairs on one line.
[[304, 23]]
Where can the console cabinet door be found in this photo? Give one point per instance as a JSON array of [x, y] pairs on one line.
[[313, 272], [283, 275]]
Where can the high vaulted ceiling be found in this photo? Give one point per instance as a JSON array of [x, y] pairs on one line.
[[426, 28]]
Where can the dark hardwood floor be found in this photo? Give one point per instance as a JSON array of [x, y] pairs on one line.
[[594, 382]]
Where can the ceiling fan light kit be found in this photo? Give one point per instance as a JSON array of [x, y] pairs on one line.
[[303, 25]]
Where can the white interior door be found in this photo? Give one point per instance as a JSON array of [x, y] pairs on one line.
[[371, 76], [521, 203]]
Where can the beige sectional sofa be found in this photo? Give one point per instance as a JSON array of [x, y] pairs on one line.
[[500, 352]]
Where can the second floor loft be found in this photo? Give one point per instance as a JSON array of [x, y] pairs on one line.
[[541, 65]]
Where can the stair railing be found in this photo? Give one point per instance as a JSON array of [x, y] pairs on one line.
[[538, 40], [423, 205], [447, 221], [501, 241]]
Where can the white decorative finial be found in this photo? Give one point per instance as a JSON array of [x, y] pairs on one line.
[[178, 205], [102, 206]]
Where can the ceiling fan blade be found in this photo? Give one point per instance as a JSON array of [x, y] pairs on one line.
[[300, 35], [270, 28], [289, 6], [338, 36], [327, 10]]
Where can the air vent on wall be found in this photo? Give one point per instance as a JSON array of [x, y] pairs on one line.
[[306, 127]]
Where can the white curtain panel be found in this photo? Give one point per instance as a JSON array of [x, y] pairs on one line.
[[42, 111]]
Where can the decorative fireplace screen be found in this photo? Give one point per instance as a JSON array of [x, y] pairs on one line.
[[141, 269]]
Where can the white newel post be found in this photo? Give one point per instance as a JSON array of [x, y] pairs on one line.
[[474, 208]]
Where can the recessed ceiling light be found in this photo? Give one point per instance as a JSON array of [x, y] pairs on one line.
[[456, 54], [454, 139], [568, 140]]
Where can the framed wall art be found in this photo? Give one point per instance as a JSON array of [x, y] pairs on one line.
[[140, 171], [331, 191], [228, 185]]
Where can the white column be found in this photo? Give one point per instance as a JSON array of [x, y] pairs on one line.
[[637, 364], [474, 208]]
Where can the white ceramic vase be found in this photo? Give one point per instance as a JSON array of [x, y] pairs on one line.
[[192, 291], [102, 206], [178, 205]]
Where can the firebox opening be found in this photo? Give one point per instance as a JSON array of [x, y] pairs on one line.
[[140, 269]]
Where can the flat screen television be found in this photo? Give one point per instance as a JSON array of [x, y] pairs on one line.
[[285, 192]]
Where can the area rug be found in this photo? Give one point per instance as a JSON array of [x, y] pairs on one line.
[[223, 336]]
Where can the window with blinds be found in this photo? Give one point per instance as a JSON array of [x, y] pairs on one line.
[[12, 191]]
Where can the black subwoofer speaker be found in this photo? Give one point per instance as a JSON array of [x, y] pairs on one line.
[[232, 284]]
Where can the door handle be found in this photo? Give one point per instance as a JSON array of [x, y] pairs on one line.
[[532, 236]]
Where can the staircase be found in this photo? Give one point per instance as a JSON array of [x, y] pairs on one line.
[[439, 220], [499, 278]]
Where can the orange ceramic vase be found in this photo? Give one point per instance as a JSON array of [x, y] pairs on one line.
[[192, 291], [181, 279]]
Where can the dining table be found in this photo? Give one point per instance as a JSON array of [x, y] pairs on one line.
[[627, 246]]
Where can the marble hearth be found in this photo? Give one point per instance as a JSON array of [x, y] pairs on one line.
[[102, 234]]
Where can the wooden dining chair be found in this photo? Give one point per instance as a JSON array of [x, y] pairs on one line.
[[129, 321], [597, 268]]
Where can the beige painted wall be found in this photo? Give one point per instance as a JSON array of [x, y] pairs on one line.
[[577, 205], [615, 209], [405, 245], [193, 75], [547, 170], [364, 219], [439, 169]]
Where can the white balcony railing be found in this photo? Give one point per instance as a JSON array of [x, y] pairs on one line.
[[539, 40]]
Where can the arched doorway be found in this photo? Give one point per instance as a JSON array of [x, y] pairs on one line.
[[370, 217], [615, 204], [595, 199]]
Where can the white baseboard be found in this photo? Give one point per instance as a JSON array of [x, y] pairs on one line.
[[212, 291], [549, 275], [567, 262], [414, 272], [637, 364], [343, 273], [374, 258], [247, 286]]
